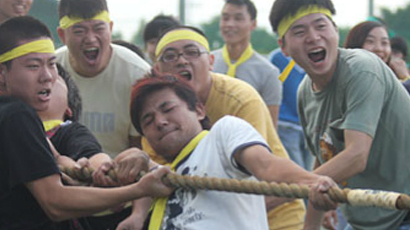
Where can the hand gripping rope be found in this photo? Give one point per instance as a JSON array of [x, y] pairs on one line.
[[355, 197]]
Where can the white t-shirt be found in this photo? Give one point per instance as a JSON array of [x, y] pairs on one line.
[[213, 157], [106, 97]]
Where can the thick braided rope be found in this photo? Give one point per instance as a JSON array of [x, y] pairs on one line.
[[357, 197]]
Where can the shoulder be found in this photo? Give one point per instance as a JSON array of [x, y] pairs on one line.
[[217, 52], [11, 105], [232, 87], [124, 55]]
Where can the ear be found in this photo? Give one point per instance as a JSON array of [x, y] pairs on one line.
[[68, 112], [211, 61], [111, 25], [61, 34], [200, 111], [282, 46], [254, 24]]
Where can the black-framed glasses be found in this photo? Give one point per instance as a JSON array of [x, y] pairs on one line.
[[173, 55]]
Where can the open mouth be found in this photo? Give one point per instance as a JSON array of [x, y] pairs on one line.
[[44, 93], [317, 55], [185, 74], [91, 53]]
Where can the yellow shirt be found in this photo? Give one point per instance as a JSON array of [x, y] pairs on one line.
[[230, 96]]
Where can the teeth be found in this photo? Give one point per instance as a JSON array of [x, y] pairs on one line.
[[316, 50], [92, 49], [43, 92]]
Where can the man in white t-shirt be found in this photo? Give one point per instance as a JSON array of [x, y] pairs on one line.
[[167, 112], [104, 72]]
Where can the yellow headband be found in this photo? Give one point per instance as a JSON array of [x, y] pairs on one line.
[[287, 21], [66, 21], [38, 46], [183, 34]]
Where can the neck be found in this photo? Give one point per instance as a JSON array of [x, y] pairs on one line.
[[235, 50]]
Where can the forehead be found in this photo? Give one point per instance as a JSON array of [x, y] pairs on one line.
[[310, 19], [381, 31], [182, 44], [158, 98], [88, 23]]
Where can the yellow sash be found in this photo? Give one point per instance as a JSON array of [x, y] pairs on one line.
[[243, 58], [48, 125], [161, 203], [285, 73]]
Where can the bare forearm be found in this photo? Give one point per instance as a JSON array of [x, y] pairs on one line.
[[274, 113], [340, 168], [313, 219], [61, 204]]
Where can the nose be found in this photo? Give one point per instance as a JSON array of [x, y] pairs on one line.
[[90, 37], [312, 35], [160, 121], [181, 60], [48, 74]]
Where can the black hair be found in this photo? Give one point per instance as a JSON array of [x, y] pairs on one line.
[[73, 95], [157, 25], [249, 6], [284, 8], [81, 8], [134, 48], [17, 29], [399, 45], [155, 82]]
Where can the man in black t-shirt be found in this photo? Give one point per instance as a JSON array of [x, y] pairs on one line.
[[31, 192]]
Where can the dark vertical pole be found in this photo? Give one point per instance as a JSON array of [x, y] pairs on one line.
[[182, 11], [371, 8]]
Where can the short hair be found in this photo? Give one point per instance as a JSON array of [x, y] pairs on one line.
[[157, 25], [155, 82], [17, 29], [73, 95], [131, 46], [249, 6], [81, 8], [358, 34], [399, 45], [283, 8]]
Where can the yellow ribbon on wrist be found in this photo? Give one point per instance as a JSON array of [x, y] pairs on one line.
[[243, 58], [181, 34], [161, 203], [66, 22], [287, 21], [37, 46]]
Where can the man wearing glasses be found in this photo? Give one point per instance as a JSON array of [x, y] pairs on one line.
[[185, 51]]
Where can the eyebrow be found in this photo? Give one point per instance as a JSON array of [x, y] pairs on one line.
[[317, 20], [38, 59]]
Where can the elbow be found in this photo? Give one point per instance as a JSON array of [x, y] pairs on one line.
[[55, 215], [361, 161]]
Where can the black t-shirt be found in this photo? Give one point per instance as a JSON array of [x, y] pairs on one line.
[[75, 141], [24, 156]]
